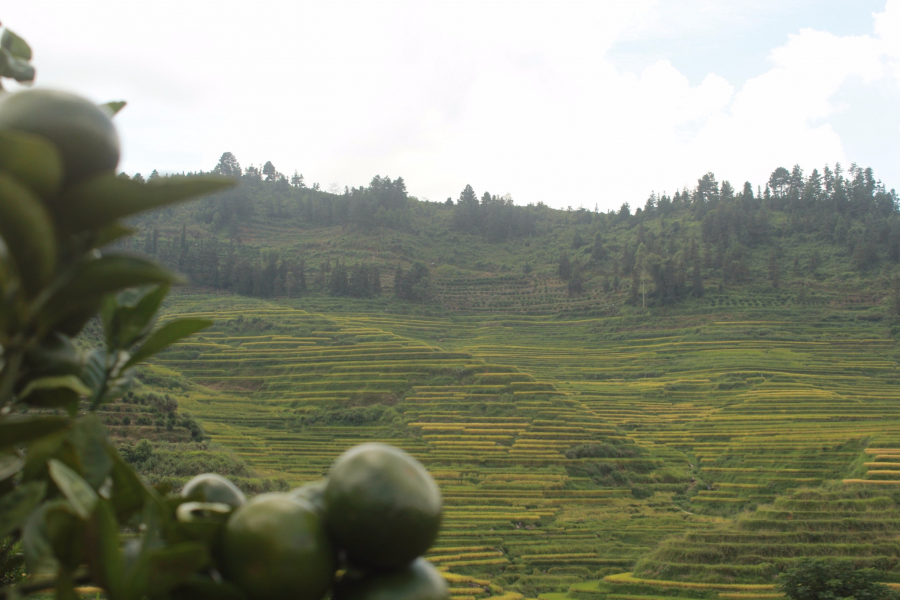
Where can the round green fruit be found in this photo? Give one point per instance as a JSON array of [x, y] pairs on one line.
[[314, 493], [214, 488], [83, 132], [276, 548], [418, 581], [383, 508]]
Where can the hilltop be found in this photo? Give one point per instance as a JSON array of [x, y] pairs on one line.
[[797, 240]]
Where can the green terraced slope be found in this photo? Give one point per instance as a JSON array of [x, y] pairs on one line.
[[849, 522], [567, 450]]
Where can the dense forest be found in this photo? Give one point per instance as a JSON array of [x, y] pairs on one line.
[[671, 248]]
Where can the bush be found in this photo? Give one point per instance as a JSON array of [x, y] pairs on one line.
[[827, 579], [601, 451], [641, 492]]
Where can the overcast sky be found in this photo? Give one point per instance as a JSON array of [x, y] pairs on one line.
[[568, 103]]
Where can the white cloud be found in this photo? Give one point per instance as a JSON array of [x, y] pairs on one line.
[[508, 96]]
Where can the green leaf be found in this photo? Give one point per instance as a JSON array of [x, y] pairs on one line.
[[166, 335], [38, 452], [93, 279], [27, 230], [111, 233], [10, 464], [129, 493], [18, 504], [32, 160], [15, 67], [16, 430], [55, 355], [36, 545], [115, 272], [134, 316], [15, 45], [105, 561], [55, 382], [106, 375], [106, 198], [90, 440], [143, 315], [95, 369], [63, 398], [173, 565], [76, 318], [51, 536], [76, 490], [114, 107]]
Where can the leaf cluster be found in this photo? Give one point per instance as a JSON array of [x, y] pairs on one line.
[[15, 58], [65, 492]]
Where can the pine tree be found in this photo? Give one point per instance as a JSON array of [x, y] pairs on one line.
[[576, 280], [400, 283], [774, 270], [634, 292], [564, 269], [598, 251], [696, 271], [696, 280], [468, 197], [375, 279], [290, 284], [270, 171], [183, 249], [895, 297], [301, 278], [228, 166], [338, 284]]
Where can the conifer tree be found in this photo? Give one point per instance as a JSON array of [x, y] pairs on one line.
[[576, 280], [228, 166], [634, 292], [774, 270], [564, 269], [598, 251]]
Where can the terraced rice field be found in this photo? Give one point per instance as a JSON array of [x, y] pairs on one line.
[[567, 450]]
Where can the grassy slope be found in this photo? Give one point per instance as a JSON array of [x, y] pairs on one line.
[[472, 275], [730, 406]]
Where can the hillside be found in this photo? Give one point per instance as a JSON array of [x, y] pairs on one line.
[[797, 240], [675, 400], [567, 449]]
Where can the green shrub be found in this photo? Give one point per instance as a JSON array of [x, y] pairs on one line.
[[825, 579]]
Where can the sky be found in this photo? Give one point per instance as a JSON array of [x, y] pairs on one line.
[[569, 103]]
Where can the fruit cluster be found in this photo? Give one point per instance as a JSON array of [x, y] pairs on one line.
[[375, 515]]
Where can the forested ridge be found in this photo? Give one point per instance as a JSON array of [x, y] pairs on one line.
[[273, 236]]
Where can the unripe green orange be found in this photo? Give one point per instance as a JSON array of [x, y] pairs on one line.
[[382, 507], [214, 488], [418, 581], [83, 132], [313, 492], [276, 548]]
